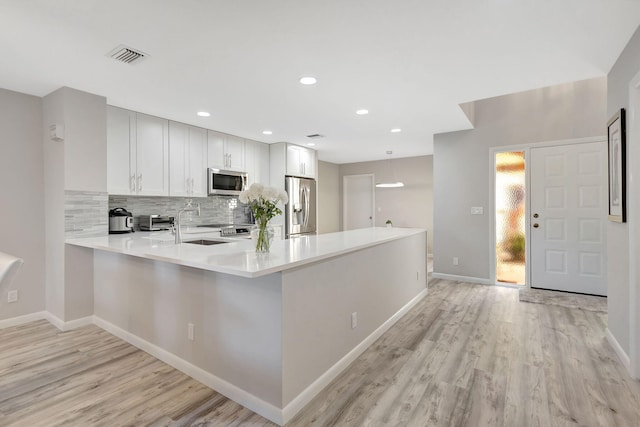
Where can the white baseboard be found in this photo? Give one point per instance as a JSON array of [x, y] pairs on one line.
[[624, 358], [21, 320], [70, 325], [257, 405], [223, 387], [300, 401], [466, 279], [77, 323]]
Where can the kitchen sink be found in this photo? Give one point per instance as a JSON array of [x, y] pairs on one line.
[[205, 242]]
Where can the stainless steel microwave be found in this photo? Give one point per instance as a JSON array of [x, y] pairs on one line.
[[226, 183]]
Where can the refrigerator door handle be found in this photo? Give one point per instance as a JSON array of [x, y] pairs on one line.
[[306, 207]]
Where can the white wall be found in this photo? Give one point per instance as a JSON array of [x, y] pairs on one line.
[[618, 79], [53, 113], [328, 197], [409, 206], [22, 199], [76, 163], [318, 300], [463, 167]]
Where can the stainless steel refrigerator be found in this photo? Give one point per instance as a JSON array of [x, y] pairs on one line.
[[300, 212]]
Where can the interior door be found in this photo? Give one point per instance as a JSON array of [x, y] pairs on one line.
[[358, 201], [568, 214]]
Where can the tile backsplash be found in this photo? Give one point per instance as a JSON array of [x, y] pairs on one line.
[[213, 209], [85, 214]]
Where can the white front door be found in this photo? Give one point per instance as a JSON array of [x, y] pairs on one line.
[[358, 201], [568, 214]]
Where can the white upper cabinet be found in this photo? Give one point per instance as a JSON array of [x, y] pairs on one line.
[[301, 161], [198, 161], [187, 160], [137, 154], [256, 162], [121, 161], [225, 151], [152, 156]]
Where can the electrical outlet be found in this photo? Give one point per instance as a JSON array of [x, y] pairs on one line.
[[456, 261], [12, 296], [477, 210], [354, 320], [190, 331]]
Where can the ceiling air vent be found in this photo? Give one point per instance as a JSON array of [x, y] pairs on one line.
[[315, 135], [126, 54]]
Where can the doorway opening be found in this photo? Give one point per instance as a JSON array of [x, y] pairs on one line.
[[510, 208]]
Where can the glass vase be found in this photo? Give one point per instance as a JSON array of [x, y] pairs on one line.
[[263, 236]]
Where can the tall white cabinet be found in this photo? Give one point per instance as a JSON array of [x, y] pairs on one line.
[[290, 159], [137, 153], [187, 160]]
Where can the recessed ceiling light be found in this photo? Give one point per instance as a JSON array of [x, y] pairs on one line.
[[267, 132], [396, 130], [362, 112], [311, 144], [308, 80], [204, 114]]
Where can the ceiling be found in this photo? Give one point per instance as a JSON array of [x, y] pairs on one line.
[[409, 62]]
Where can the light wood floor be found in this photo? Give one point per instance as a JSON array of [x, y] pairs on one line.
[[466, 355]]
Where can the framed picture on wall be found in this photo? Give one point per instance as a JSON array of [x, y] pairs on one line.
[[617, 167]]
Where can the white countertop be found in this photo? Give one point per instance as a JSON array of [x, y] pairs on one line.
[[238, 257]]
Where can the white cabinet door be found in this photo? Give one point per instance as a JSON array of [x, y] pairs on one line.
[[225, 151], [301, 161], [250, 158], [120, 151], [234, 152], [198, 161], [261, 168], [179, 178], [308, 162], [152, 156], [293, 160], [215, 150], [256, 162], [187, 160]]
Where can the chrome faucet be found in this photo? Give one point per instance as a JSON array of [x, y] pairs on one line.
[[187, 208]]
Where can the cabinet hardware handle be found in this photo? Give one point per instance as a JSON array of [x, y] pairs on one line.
[[140, 183], [132, 183], [535, 215], [536, 225]]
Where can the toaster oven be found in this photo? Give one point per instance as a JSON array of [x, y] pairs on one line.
[[155, 222]]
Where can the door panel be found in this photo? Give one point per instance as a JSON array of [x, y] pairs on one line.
[[568, 186], [358, 202]]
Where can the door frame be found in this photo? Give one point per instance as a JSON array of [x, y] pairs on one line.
[[633, 169], [345, 195], [526, 148]]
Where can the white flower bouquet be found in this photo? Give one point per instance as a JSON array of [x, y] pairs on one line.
[[264, 204]]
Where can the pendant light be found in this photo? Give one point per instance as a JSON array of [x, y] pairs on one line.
[[394, 183]]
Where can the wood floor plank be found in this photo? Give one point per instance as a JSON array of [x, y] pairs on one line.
[[464, 355], [527, 401]]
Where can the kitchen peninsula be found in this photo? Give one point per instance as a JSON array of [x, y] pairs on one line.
[[267, 330]]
